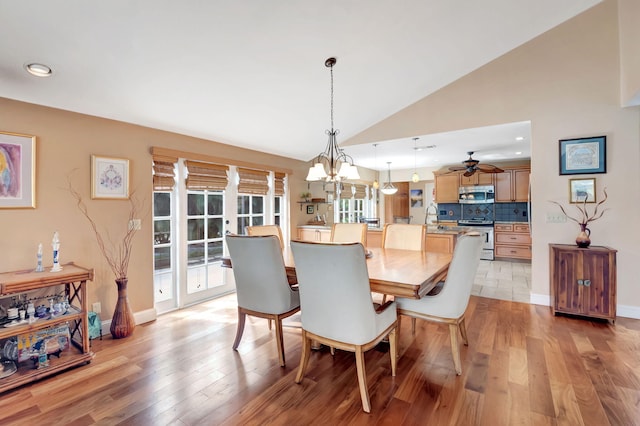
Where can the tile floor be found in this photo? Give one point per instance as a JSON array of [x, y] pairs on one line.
[[499, 279]]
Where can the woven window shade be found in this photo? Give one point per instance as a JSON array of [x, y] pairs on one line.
[[206, 176], [278, 183], [361, 192], [253, 181], [164, 173]]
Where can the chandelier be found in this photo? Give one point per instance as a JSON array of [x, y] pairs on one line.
[[415, 177], [332, 165], [388, 188]]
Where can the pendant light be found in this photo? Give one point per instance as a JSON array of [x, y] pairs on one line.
[[376, 184], [388, 188], [415, 177], [332, 165]]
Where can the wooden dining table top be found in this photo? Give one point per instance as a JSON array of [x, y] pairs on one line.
[[402, 273]]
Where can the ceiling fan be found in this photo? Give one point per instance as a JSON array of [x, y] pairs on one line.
[[471, 166]]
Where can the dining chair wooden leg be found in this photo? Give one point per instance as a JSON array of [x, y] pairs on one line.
[[240, 329], [333, 351], [279, 340], [455, 349], [304, 357], [269, 322], [362, 379], [413, 326], [393, 349], [463, 331]]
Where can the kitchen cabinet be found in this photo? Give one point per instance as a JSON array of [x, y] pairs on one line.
[[512, 241], [374, 238], [397, 205], [583, 280], [440, 243], [314, 234], [38, 287], [477, 178], [447, 187], [512, 185]]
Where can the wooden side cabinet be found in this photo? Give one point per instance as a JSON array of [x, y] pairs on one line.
[[583, 280], [73, 281], [512, 240]]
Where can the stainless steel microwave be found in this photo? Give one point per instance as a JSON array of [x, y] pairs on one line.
[[478, 194]]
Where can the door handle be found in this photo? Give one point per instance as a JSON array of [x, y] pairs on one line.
[[580, 282], [587, 283]]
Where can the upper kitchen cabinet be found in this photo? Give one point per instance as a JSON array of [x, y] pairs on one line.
[[447, 187], [512, 185], [477, 178]]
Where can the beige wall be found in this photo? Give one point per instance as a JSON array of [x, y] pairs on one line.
[[628, 13], [567, 82], [65, 142]]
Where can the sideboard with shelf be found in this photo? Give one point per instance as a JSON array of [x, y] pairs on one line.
[[73, 281]]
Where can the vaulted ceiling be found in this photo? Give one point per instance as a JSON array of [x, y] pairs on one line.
[[251, 73]]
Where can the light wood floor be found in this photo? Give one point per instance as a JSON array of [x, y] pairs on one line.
[[523, 367]]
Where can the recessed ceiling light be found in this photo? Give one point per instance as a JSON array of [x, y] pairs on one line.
[[519, 138], [39, 70], [519, 153]]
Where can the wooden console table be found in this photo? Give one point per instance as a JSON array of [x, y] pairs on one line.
[[74, 279]]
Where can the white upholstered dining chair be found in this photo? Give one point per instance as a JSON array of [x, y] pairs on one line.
[[349, 233], [449, 305], [403, 236], [336, 306], [266, 230], [261, 284]]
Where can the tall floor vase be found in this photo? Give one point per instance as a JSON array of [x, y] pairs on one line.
[[123, 322]]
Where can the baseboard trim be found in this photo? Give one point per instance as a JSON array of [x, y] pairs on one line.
[[625, 311]]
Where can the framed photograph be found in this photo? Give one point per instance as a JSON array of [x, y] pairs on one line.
[[583, 156], [581, 189], [416, 198], [17, 171], [309, 209], [109, 178]]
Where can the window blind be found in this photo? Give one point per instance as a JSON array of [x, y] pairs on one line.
[[253, 181], [164, 173], [278, 183], [206, 176]]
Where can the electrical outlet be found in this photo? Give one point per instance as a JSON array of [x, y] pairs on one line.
[[135, 224], [97, 307], [556, 218]]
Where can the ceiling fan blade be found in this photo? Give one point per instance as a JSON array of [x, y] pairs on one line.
[[470, 172], [489, 168], [457, 168]]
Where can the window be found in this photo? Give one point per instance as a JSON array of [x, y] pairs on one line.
[[250, 211], [163, 246], [277, 210]]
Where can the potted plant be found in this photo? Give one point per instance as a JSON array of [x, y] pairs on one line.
[[305, 196], [583, 240]]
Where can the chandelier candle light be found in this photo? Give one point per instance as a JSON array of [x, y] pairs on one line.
[[415, 177], [332, 165]]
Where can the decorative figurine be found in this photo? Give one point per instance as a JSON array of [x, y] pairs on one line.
[[39, 268], [56, 253]]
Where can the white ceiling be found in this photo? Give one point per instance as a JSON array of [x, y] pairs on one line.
[[251, 73]]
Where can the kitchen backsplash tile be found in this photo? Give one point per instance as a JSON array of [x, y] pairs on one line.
[[511, 212]]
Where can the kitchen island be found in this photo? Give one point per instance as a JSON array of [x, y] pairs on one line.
[[438, 239]]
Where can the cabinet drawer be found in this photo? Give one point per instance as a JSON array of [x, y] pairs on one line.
[[503, 227], [512, 238], [521, 227], [513, 251]]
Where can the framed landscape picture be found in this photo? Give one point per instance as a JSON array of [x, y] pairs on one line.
[[17, 171], [109, 178], [583, 156]]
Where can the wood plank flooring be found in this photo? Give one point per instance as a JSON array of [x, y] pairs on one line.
[[522, 367]]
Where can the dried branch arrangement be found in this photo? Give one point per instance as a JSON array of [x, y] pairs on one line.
[[116, 253], [585, 217]]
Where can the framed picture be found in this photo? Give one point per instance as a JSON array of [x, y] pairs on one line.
[[309, 209], [581, 189], [416, 198], [17, 171], [583, 156], [109, 178]]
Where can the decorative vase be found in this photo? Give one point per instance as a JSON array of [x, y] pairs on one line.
[[583, 240], [123, 322]]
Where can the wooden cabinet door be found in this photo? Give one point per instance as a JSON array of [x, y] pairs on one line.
[[447, 188], [521, 185], [468, 180], [306, 234], [568, 294], [503, 187], [401, 200], [598, 295], [485, 178]]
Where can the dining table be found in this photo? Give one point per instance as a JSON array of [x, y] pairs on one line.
[[395, 272]]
